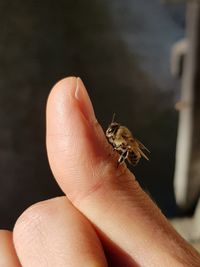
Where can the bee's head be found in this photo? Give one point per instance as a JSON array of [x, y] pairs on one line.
[[112, 129]]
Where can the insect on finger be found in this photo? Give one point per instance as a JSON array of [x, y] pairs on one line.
[[122, 140]]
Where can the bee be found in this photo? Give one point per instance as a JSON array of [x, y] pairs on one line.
[[122, 140]]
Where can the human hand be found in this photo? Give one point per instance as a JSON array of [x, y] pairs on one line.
[[105, 219]]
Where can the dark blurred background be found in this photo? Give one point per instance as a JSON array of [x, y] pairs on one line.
[[121, 50]]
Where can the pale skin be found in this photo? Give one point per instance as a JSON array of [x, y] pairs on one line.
[[105, 218]]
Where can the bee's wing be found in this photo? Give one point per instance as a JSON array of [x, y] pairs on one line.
[[141, 146], [142, 153]]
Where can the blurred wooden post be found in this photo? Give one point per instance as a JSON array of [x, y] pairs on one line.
[[187, 169]]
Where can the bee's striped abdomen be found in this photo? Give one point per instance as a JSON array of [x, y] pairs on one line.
[[133, 158]]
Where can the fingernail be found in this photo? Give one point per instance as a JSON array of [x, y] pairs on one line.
[[85, 103]]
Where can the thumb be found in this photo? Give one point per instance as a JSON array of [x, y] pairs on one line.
[[84, 166]]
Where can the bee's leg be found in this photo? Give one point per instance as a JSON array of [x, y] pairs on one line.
[[122, 157], [116, 147]]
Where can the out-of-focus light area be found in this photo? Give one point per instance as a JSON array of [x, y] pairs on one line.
[[123, 52]]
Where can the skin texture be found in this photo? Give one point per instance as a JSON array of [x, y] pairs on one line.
[[8, 257], [105, 219], [54, 233]]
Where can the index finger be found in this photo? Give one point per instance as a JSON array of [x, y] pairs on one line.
[[84, 165]]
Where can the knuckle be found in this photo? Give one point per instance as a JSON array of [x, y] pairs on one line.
[[32, 222]]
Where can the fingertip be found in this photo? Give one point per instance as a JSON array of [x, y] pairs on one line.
[[59, 96], [77, 149], [68, 83], [53, 232]]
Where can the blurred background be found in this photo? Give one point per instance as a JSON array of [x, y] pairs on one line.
[[122, 51]]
